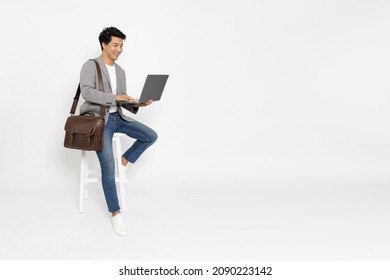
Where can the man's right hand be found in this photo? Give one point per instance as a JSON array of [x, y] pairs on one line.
[[124, 97]]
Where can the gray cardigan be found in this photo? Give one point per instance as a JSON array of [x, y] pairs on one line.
[[94, 98]]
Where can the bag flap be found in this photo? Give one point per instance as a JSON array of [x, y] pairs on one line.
[[82, 124]]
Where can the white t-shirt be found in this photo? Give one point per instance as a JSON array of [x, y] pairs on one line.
[[112, 73]]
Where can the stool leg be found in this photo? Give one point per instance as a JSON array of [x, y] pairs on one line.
[[120, 167], [82, 182], [86, 178]]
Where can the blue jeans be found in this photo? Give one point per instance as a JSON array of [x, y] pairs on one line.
[[144, 136]]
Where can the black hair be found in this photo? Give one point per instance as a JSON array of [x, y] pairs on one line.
[[107, 33]]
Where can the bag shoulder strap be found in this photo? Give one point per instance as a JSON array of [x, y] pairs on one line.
[[101, 88]]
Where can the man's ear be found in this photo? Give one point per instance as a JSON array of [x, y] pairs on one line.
[[104, 45]]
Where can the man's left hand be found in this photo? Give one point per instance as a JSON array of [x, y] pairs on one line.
[[147, 103]]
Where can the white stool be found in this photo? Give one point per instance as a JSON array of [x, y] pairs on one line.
[[120, 174]]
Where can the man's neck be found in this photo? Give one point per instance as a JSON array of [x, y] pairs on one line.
[[107, 60]]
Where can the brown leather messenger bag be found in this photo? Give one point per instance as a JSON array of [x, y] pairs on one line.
[[85, 132]]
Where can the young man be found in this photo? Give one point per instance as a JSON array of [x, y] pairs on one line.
[[114, 81]]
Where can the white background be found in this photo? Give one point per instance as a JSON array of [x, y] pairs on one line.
[[274, 121]]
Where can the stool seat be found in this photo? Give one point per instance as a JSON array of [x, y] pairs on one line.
[[88, 175]]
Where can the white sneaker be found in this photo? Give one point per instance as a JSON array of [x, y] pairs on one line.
[[119, 225]]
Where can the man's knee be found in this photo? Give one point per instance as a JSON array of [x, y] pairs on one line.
[[153, 137]]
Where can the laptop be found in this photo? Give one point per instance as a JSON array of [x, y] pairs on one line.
[[153, 89]]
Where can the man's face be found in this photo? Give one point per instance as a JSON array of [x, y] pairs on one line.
[[114, 48]]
